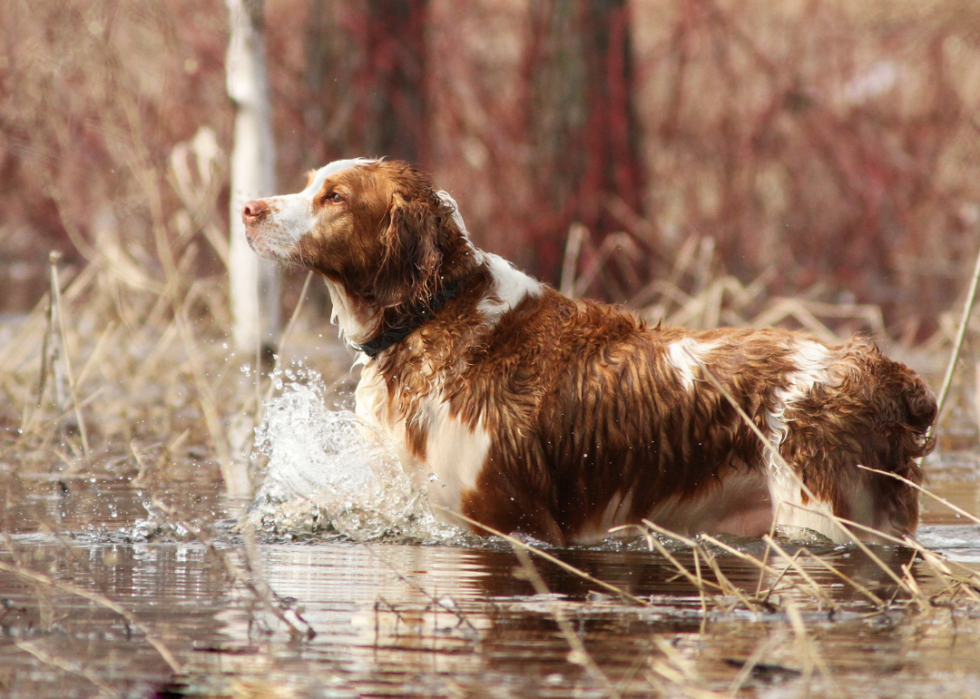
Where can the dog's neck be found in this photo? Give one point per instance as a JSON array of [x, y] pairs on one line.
[[371, 330], [407, 322]]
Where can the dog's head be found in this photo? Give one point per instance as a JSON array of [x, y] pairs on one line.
[[379, 229]]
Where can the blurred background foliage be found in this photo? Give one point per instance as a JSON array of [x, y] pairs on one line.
[[824, 149]]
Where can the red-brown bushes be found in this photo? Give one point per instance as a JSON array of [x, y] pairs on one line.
[[834, 144]]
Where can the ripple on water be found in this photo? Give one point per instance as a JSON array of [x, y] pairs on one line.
[[958, 542]]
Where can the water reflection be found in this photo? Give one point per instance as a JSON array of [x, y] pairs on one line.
[[442, 620]]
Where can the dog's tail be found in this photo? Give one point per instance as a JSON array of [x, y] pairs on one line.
[[918, 411]]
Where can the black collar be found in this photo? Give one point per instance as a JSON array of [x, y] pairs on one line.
[[400, 330]]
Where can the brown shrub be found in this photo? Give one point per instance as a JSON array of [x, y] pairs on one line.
[[832, 142]]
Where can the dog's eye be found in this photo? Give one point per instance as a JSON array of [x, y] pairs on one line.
[[334, 198]]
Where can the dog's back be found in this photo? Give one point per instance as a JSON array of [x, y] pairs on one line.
[[619, 422]]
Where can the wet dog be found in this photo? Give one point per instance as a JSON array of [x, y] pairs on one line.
[[529, 411]]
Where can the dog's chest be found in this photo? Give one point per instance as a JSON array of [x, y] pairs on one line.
[[437, 449]]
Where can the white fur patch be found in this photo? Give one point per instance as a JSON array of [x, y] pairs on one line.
[[332, 169], [352, 328], [371, 399], [292, 214], [686, 355], [457, 217], [455, 452], [510, 287], [813, 362]]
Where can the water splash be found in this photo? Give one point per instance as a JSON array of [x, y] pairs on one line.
[[328, 473]]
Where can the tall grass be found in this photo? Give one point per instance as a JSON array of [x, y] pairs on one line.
[[826, 147], [812, 165]]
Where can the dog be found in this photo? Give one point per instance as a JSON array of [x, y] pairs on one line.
[[528, 411]]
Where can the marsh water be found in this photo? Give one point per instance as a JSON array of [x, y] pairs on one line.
[[353, 592]]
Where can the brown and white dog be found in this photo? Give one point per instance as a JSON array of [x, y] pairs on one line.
[[559, 418]]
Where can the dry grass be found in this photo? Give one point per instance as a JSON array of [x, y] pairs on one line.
[[824, 150], [120, 371], [159, 396], [769, 201]]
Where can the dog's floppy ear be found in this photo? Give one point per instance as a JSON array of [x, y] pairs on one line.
[[409, 269]]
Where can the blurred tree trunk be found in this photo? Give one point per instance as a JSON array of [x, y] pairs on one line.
[[367, 62], [254, 281], [581, 122]]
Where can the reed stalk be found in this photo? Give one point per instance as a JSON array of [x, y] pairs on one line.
[[954, 357]]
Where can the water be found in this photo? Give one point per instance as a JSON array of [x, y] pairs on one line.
[[410, 620], [327, 472], [403, 606]]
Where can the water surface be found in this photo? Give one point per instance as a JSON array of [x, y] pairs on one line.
[[362, 594]]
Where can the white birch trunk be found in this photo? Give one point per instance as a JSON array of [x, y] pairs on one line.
[[254, 281]]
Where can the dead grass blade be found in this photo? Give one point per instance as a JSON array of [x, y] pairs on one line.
[[872, 597], [695, 578], [968, 580], [676, 672], [750, 663], [435, 601], [924, 491], [97, 351], [818, 592], [209, 407], [247, 578], [954, 357], [844, 524], [573, 246], [282, 342], [723, 584], [808, 649], [58, 316], [764, 567], [71, 666]]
